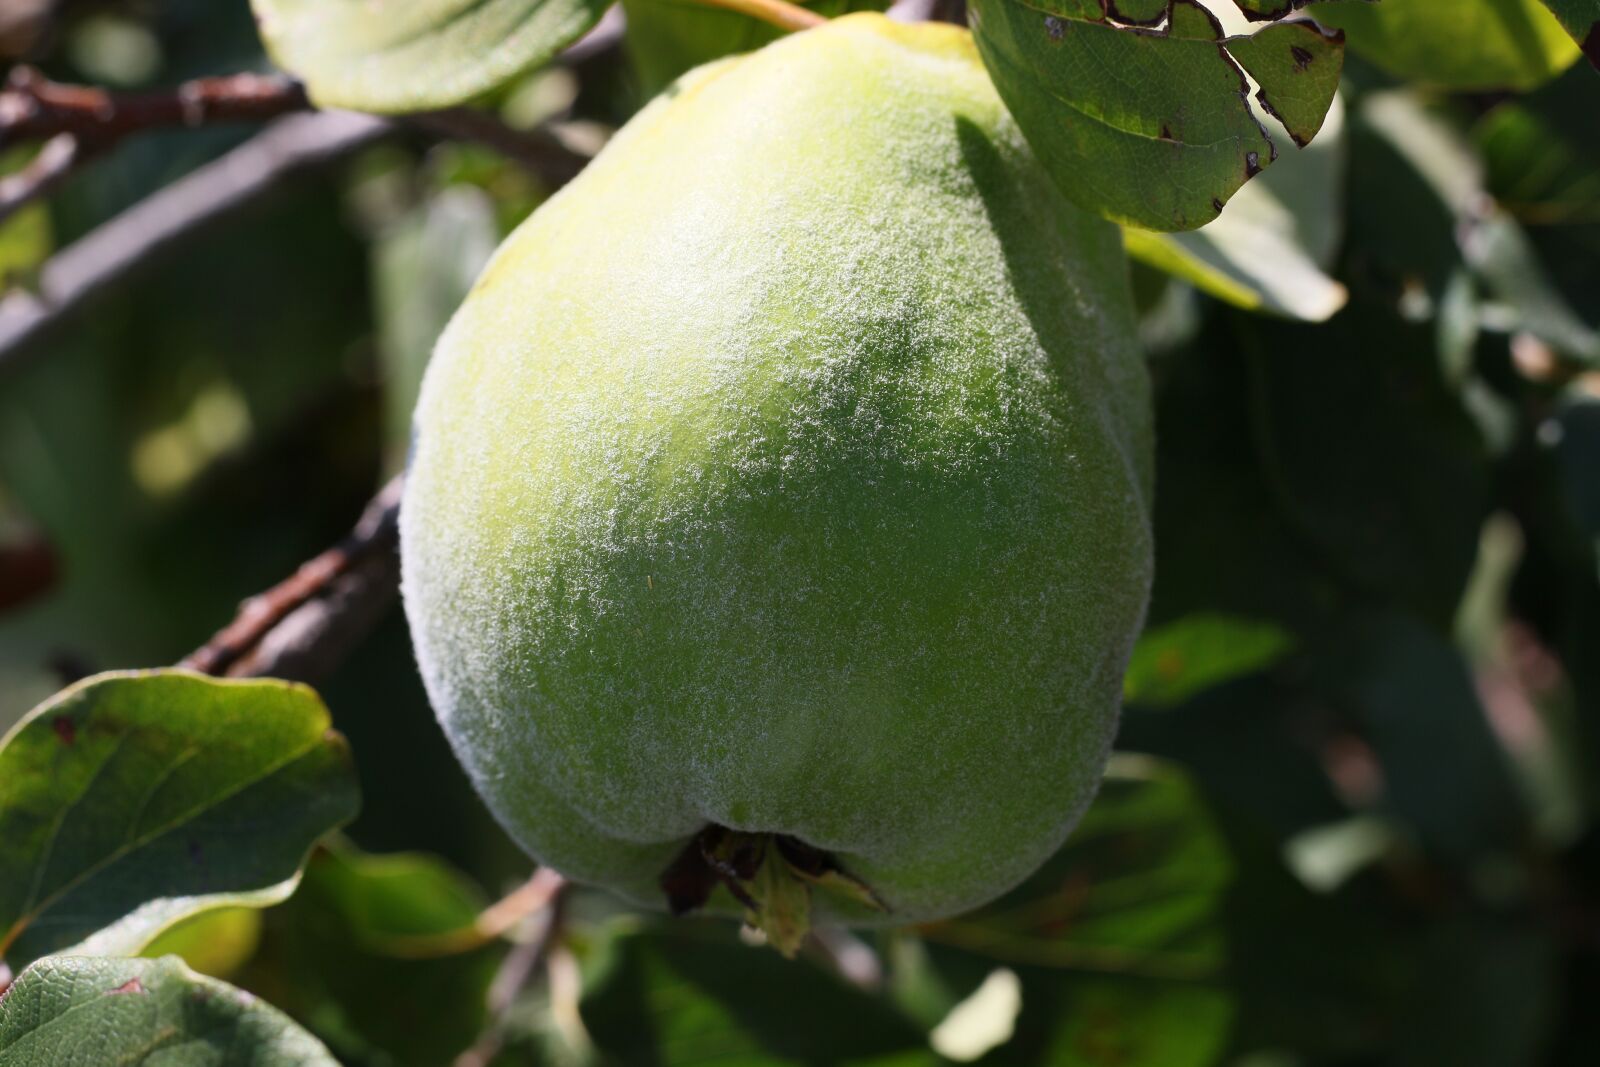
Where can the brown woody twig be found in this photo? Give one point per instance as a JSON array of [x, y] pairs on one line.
[[58, 158], [77, 123], [304, 625], [519, 966], [33, 108], [187, 206]]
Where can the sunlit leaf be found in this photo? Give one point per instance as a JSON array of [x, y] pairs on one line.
[[84, 1012], [418, 55], [215, 943], [1456, 44], [1150, 123], [1582, 20], [132, 801]]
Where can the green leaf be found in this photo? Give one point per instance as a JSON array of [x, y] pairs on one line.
[[82, 1012], [419, 55], [1172, 663], [133, 800], [1457, 44], [343, 956], [1272, 246], [216, 943], [668, 37], [1582, 20], [1151, 125], [686, 992]]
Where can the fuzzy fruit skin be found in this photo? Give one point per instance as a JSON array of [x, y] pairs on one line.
[[790, 471]]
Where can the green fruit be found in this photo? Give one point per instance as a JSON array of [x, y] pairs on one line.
[[789, 472], [667, 37]]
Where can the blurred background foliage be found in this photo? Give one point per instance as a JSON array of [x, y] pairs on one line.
[[1354, 821]]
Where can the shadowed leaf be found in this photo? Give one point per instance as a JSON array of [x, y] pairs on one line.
[[672, 994], [343, 956], [1118, 941]]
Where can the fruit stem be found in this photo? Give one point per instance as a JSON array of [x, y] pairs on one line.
[[780, 13]]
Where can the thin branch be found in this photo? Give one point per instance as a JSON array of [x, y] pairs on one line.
[[55, 161], [33, 108], [779, 13], [535, 150], [516, 971], [214, 191], [301, 627], [79, 122], [494, 922]]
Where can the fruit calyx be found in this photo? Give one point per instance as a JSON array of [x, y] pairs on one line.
[[771, 875]]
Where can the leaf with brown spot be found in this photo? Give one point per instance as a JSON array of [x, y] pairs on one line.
[[1141, 111], [1297, 65], [134, 800], [85, 1012]]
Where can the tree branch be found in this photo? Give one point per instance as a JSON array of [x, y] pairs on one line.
[[518, 969], [191, 203], [542, 891], [79, 122], [535, 150], [303, 626], [33, 108], [779, 13], [57, 159]]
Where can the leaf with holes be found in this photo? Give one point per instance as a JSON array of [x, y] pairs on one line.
[[1272, 248], [418, 55], [1141, 109], [131, 801], [83, 1012]]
